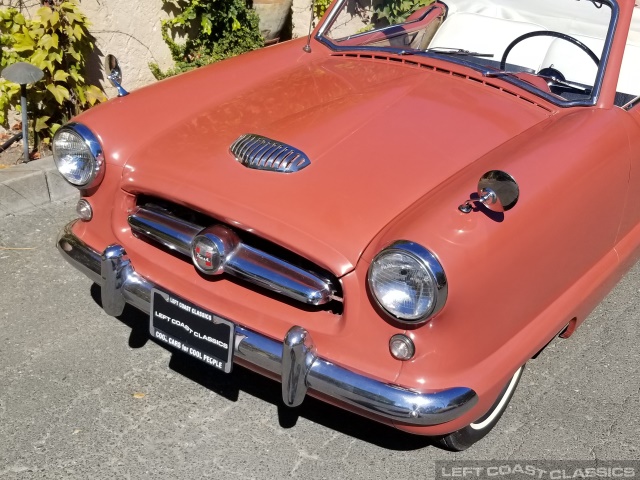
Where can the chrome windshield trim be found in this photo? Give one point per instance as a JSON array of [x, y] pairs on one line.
[[245, 261], [595, 94], [390, 27], [301, 372], [631, 104]]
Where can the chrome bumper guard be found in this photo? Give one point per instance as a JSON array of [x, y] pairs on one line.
[[294, 360]]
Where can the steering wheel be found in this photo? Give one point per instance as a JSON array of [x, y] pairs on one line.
[[548, 33]]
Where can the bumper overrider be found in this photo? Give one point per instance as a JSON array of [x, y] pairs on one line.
[[293, 359]]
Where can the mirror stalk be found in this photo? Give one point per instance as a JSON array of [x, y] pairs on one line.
[[487, 198], [114, 74]]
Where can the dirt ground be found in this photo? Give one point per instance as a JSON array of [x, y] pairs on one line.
[[13, 154]]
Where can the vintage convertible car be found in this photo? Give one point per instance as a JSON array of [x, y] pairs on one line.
[[392, 216]]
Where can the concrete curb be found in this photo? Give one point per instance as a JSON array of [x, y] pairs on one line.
[[31, 184]]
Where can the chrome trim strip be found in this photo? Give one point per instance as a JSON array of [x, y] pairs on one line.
[[628, 106], [398, 26], [279, 276], [262, 153], [254, 349], [593, 100], [243, 261], [169, 231]]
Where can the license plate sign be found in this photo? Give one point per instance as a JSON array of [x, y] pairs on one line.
[[192, 330]]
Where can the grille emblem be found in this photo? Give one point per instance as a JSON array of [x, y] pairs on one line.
[[211, 248], [205, 255], [262, 153]]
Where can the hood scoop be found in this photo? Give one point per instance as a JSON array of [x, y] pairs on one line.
[[261, 153]]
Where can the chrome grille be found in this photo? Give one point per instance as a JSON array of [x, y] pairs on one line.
[[245, 261], [261, 153]]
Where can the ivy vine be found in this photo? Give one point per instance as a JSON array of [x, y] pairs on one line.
[[320, 7], [393, 12], [215, 30], [57, 41]]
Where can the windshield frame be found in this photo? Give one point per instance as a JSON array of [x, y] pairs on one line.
[[329, 19]]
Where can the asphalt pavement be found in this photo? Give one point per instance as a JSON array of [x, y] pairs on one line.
[[86, 395]]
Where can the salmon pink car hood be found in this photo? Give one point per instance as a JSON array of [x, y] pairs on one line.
[[371, 155]]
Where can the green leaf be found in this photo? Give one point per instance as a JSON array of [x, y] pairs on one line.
[[78, 31], [55, 19], [55, 57], [206, 25], [46, 42], [68, 6], [37, 32], [23, 43], [56, 94], [59, 92], [76, 76], [41, 123], [74, 17], [71, 51], [60, 76], [45, 14], [49, 66], [65, 92], [81, 96], [39, 59], [94, 95]]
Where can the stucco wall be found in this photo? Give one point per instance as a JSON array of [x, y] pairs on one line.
[[300, 17], [130, 30]]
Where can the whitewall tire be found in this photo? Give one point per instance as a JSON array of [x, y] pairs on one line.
[[467, 436]]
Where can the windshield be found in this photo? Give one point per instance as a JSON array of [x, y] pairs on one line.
[[555, 48]]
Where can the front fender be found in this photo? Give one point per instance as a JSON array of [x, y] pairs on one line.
[[513, 277]]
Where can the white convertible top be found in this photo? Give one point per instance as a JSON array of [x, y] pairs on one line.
[[579, 17], [489, 26]]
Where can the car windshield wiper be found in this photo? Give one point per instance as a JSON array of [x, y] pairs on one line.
[[447, 51], [458, 51], [550, 79]]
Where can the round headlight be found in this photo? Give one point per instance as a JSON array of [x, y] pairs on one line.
[[408, 282], [78, 155]]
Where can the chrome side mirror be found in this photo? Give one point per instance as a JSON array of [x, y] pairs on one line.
[[114, 74], [497, 190]]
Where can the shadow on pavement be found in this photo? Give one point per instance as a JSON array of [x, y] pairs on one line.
[[242, 379]]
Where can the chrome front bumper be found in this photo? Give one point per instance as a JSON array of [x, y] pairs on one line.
[[294, 359]]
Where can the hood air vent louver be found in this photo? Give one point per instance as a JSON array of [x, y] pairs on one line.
[[261, 153]]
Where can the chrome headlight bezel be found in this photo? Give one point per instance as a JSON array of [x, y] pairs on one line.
[[94, 149], [432, 267]]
